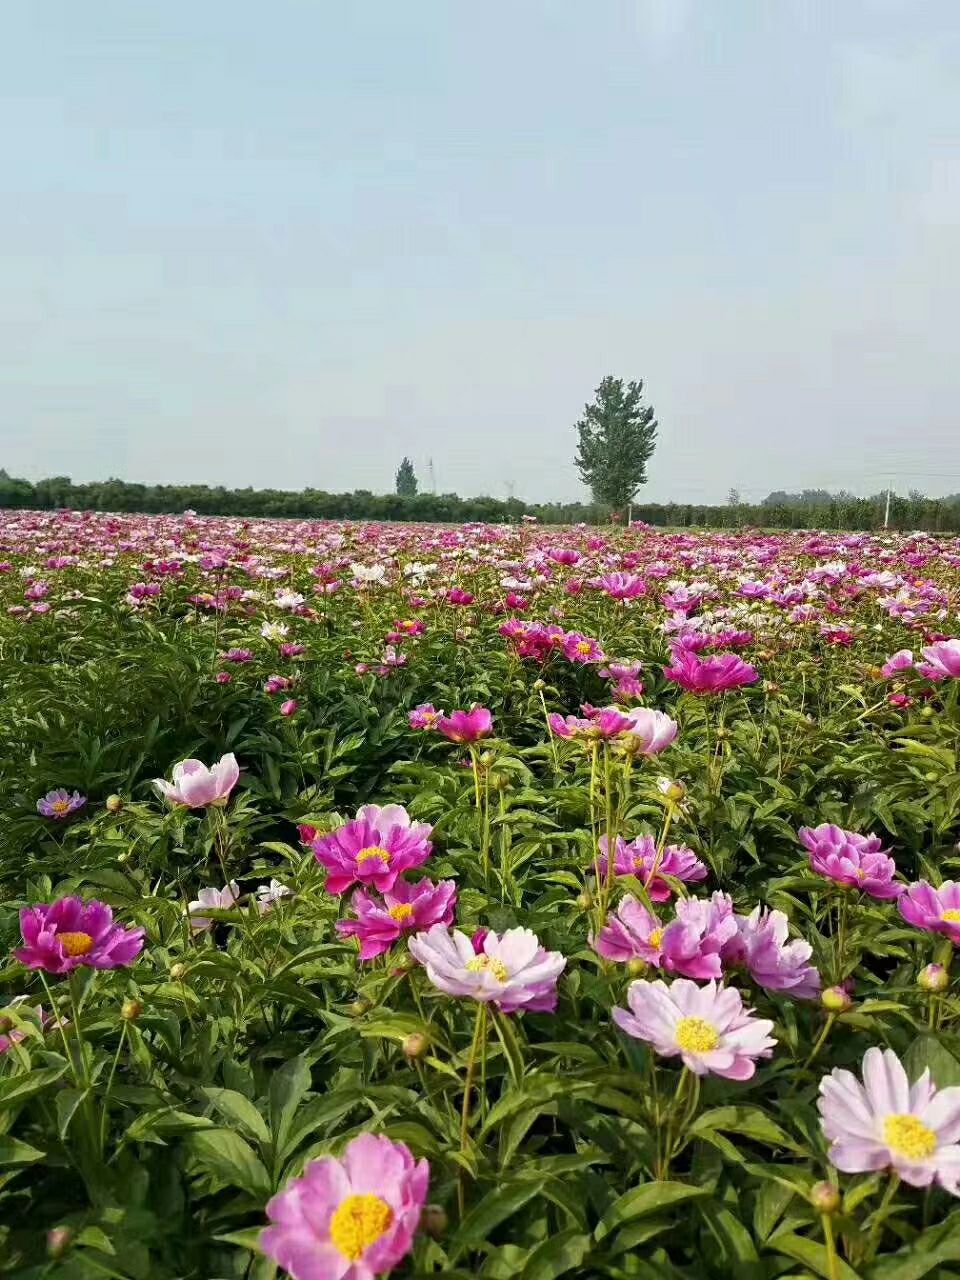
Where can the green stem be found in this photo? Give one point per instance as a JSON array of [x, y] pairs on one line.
[[830, 1246], [878, 1218], [479, 1033], [106, 1099], [821, 1039]]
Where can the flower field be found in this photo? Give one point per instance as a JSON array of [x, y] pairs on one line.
[[476, 901]]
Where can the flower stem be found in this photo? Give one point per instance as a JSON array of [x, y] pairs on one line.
[[479, 1034], [830, 1246], [821, 1039]]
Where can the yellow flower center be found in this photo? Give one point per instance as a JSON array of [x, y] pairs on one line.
[[654, 940], [75, 944], [488, 964], [951, 915], [909, 1137], [584, 648], [359, 1222], [374, 851], [402, 911], [694, 1035], [60, 806]]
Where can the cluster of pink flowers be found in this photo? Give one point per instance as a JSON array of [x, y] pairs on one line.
[[459, 726], [539, 640], [851, 860], [707, 939], [639, 858], [640, 731]]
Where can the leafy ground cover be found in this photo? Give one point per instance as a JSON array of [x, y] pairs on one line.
[[476, 901]]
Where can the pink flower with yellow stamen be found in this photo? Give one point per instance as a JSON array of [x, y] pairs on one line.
[[69, 933], [374, 849], [406, 908]]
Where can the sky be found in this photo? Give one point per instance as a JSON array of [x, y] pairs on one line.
[[284, 245]]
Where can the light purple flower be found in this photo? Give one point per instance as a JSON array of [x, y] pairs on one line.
[[887, 1123], [63, 935], [944, 658], [650, 731], [60, 804], [196, 786], [707, 1027], [215, 899], [852, 860], [348, 1219], [760, 945], [512, 971], [426, 716], [898, 662], [268, 895], [935, 910], [633, 933], [639, 858], [405, 909], [373, 849], [692, 943]]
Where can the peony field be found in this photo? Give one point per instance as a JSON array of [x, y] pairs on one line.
[[513, 902]]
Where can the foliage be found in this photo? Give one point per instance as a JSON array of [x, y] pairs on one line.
[[143, 1136], [616, 439], [406, 479]]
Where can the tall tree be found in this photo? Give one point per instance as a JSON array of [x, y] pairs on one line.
[[617, 437], [406, 479]]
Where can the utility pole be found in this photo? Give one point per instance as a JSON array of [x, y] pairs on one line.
[[886, 514], [433, 476]]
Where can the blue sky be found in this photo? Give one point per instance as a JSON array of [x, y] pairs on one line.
[[287, 244]]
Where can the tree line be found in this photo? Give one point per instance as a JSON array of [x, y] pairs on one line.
[[841, 511]]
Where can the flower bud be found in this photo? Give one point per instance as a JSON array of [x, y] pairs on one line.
[[933, 978], [486, 759], [178, 972], [927, 713], [358, 1008], [415, 1045], [722, 734], [825, 1197], [585, 900], [836, 1000], [931, 777], [538, 684], [114, 803], [434, 1221], [636, 967], [671, 789], [58, 1241], [131, 1010]]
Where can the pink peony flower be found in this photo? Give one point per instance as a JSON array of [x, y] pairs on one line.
[[348, 1219], [715, 674], [373, 849], [943, 658], [466, 726], [900, 661], [935, 910], [639, 858], [581, 649], [622, 586], [216, 899], [407, 907], [851, 860], [60, 804], [63, 935], [693, 942], [887, 1123], [196, 786], [650, 731], [512, 971], [290, 707], [633, 933], [707, 1026], [425, 716], [760, 946]]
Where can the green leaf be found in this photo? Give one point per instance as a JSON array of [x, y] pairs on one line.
[[748, 1122], [288, 1087], [928, 1052], [812, 1254], [927, 1252], [651, 1197], [556, 1256], [240, 1111], [13, 1151], [224, 1154], [495, 1207], [18, 1088]]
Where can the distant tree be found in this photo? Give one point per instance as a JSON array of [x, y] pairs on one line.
[[406, 480], [733, 498], [617, 436]]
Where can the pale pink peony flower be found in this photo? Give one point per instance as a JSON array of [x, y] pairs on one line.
[[374, 849], [708, 1026], [512, 971], [425, 716], [650, 731], [693, 942], [935, 910], [215, 899], [887, 1123], [633, 933], [348, 1219], [943, 658], [196, 786], [897, 663], [760, 946], [405, 909], [852, 860]]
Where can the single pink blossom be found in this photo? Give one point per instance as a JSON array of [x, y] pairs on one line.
[[943, 658], [512, 971], [639, 858], [466, 726], [212, 899], [633, 933], [374, 849], [406, 908], [852, 860], [761, 947], [715, 674], [196, 786], [935, 910], [898, 662], [63, 935], [693, 942]]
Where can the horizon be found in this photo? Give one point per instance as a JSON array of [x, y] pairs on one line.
[[286, 252]]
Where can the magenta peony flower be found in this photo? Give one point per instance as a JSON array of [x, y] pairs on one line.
[[425, 716], [707, 1026], [290, 707], [60, 804], [760, 946], [466, 726], [217, 899], [632, 934], [61, 936], [935, 910], [599, 723], [373, 849], [581, 649], [851, 860], [943, 658], [639, 858], [887, 1123], [622, 586], [715, 674], [348, 1219], [693, 942], [407, 907], [512, 971], [650, 731], [196, 786]]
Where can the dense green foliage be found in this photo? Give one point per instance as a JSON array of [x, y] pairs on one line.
[[616, 437]]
